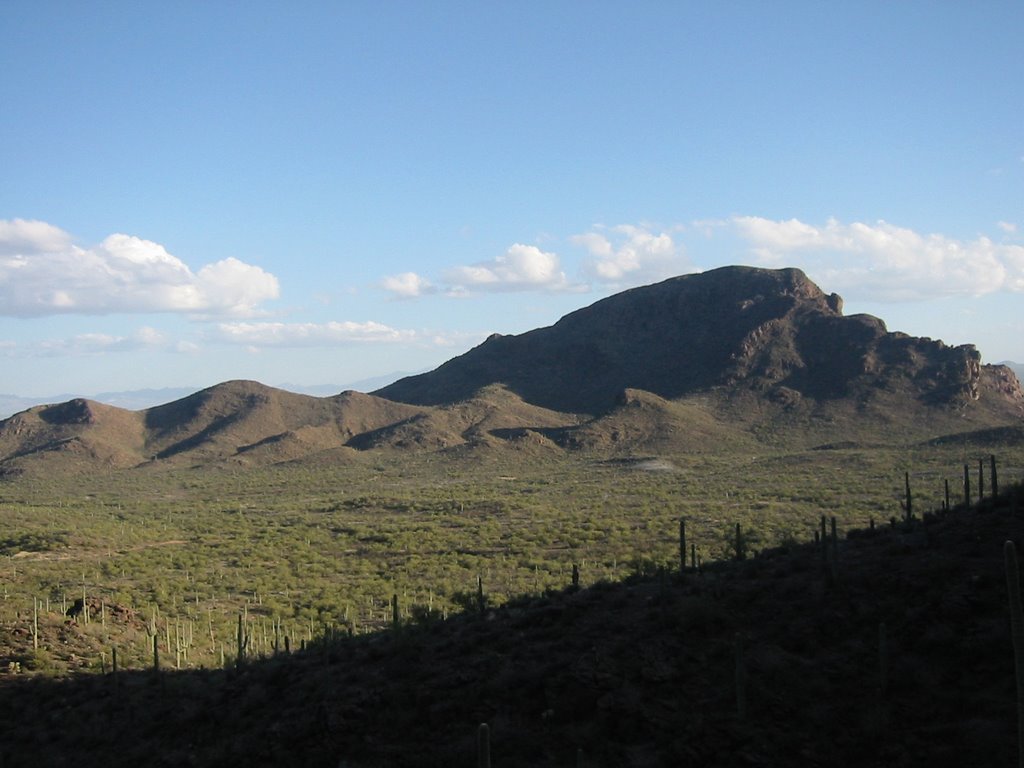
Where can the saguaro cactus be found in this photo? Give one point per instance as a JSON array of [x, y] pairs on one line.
[[483, 745], [682, 545], [242, 642]]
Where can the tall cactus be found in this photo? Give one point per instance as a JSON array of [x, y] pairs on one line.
[[484, 746], [682, 545], [1017, 630], [242, 642]]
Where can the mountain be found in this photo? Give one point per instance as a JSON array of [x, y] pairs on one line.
[[750, 342], [247, 423], [241, 421], [698, 363]]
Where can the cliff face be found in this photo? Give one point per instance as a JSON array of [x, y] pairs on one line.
[[771, 331]]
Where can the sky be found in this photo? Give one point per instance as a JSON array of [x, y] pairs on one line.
[[317, 193]]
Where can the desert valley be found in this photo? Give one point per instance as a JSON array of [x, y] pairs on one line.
[[712, 520]]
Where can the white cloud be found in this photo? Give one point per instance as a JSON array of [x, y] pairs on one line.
[[91, 344], [630, 255], [24, 236], [1007, 226], [885, 262], [275, 334], [42, 272], [406, 285], [520, 268]]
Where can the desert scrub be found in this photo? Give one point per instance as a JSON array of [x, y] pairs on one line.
[[324, 547]]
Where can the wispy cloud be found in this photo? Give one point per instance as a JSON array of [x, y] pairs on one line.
[[628, 254], [42, 272], [884, 261], [275, 334], [94, 344]]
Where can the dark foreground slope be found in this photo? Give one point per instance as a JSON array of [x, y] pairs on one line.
[[636, 674]]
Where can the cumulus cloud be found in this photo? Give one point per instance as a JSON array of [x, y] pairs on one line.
[[23, 236], [629, 255], [407, 285], [520, 268], [883, 261], [276, 334], [42, 272]]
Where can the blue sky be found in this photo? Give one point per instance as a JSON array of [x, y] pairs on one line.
[[313, 193]]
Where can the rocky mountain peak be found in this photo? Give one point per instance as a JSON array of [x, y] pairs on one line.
[[771, 331]]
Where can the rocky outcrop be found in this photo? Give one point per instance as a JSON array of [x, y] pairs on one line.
[[768, 331]]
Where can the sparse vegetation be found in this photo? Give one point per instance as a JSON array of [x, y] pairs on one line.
[[300, 550], [757, 660], [255, 577]]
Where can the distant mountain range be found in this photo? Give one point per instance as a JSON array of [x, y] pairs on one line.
[[707, 362], [140, 399]]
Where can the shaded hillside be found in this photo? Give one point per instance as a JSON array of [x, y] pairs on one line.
[[641, 421], [236, 417], [773, 332], [493, 413], [244, 423], [76, 433], [891, 648]]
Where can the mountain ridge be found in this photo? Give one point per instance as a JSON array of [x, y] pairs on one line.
[[696, 363], [773, 331]]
